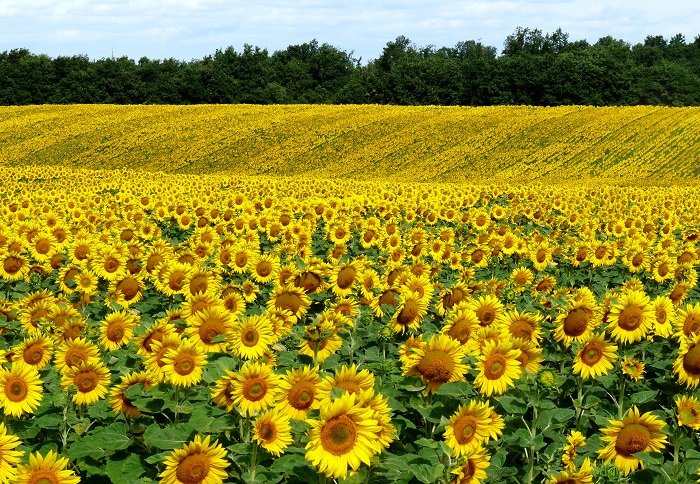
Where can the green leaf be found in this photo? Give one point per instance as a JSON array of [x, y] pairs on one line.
[[128, 469], [457, 389], [101, 442], [169, 437], [643, 397], [427, 473], [512, 405]]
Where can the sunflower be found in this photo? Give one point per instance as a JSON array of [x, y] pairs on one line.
[[117, 329], [688, 411], [343, 437], [144, 342], [347, 379], [634, 433], [255, 388], [438, 362], [198, 303], [233, 302], [687, 364], [460, 324], [632, 368], [631, 318], [665, 315], [20, 390], [91, 380], [50, 468], [118, 400], [86, 282], [541, 255], [525, 325], [530, 355], [196, 462], [574, 441], [320, 341], [13, 266], [108, 263], [127, 290], [298, 392], [408, 347], [273, 432], [289, 297], [687, 321], [584, 475], [222, 394], [450, 297], [595, 358], [172, 278], [74, 352], [184, 364], [577, 322], [466, 428], [209, 328], [250, 337], [521, 277], [382, 413], [498, 368], [243, 257], [473, 470], [9, 457], [409, 313], [266, 268], [200, 281], [35, 351]]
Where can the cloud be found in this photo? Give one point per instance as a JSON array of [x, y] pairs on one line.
[[187, 29]]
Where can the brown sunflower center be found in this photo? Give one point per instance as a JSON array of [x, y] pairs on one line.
[[338, 435], [33, 353], [631, 318], [111, 265], [576, 322], [600, 252], [115, 331], [241, 260], [12, 264], [75, 356], [184, 364], [129, 287], [301, 395], [486, 315], [193, 469], [408, 313], [264, 268], [43, 476], [86, 381], [176, 281], [288, 300], [661, 315], [632, 438], [199, 284], [16, 389], [349, 386], [495, 366], [465, 429], [250, 337], [254, 389], [591, 353], [346, 277], [521, 329], [691, 325], [267, 431], [691, 361], [687, 415], [436, 366], [638, 259], [460, 330]]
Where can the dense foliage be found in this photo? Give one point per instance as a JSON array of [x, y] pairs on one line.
[[533, 68]]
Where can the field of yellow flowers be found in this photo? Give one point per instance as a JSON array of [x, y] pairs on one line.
[[229, 326], [399, 143]]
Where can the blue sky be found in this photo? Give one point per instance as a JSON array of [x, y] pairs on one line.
[[191, 29]]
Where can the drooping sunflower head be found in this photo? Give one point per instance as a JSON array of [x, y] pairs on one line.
[[409, 313]]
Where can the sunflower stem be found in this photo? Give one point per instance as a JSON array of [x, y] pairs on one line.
[[253, 462], [620, 401], [177, 402], [578, 404], [530, 476]]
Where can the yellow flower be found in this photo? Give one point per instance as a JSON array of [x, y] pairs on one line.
[[255, 388], [631, 318], [117, 329], [50, 468], [118, 400], [688, 411], [91, 380], [34, 351], [466, 430], [473, 470], [687, 363], [273, 432], [299, 389], [634, 433], [209, 328], [9, 457], [498, 368], [198, 461], [74, 352], [20, 390], [251, 337], [595, 358], [343, 437], [347, 379], [438, 362], [183, 365]]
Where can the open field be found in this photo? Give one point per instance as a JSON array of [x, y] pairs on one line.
[[201, 318], [451, 144]]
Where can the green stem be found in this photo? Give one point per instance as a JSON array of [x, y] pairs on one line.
[[177, 402], [579, 402], [676, 453], [620, 400], [530, 475], [253, 462]]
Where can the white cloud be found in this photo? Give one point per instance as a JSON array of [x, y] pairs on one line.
[[188, 29]]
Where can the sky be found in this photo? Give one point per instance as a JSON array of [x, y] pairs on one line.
[[192, 29]]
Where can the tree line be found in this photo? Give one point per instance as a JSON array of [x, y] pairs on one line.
[[533, 68]]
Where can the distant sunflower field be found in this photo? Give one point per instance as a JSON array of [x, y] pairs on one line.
[[237, 327]]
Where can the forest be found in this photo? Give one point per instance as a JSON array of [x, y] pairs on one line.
[[532, 68]]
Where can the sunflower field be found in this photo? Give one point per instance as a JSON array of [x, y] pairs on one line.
[[227, 327]]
